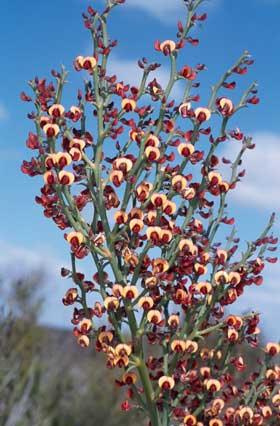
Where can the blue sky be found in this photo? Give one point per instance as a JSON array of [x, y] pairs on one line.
[[47, 34]]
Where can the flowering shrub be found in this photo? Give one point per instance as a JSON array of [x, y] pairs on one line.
[[140, 196]]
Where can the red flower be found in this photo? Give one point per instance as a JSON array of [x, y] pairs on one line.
[[126, 406]]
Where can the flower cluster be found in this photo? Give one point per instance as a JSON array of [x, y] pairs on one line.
[[142, 198]]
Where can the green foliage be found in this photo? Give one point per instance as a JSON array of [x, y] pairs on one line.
[[45, 379]]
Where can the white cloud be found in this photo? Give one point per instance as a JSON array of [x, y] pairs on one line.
[[167, 11], [260, 186], [128, 71], [163, 10], [265, 300], [19, 262], [3, 112], [22, 259]]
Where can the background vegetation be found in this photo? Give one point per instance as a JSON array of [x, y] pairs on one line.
[[46, 379]]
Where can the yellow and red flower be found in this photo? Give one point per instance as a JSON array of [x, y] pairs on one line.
[[178, 345], [143, 190], [234, 278], [123, 164], [152, 140], [66, 178], [214, 178], [87, 63], [225, 106], [173, 320], [205, 372], [56, 110], [202, 114], [186, 245], [166, 382], [186, 149], [121, 217], [190, 420], [129, 378], [184, 108], [245, 414], [215, 422], [191, 346], [222, 255], [213, 385], [232, 335], [200, 269], [76, 154], [203, 287], [77, 143], [83, 341], [51, 130], [136, 213], [105, 337], [166, 47], [158, 200], [272, 348], [159, 266], [128, 104], [70, 296], [130, 292], [75, 238], [179, 183], [152, 153], [122, 349], [111, 303], [221, 277], [151, 282], [62, 159], [85, 325], [154, 234], [49, 178], [234, 321], [117, 177], [146, 302], [169, 207], [136, 225], [154, 316]]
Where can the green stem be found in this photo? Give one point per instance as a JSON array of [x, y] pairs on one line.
[[60, 85], [253, 393], [149, 392], [217, 87], [80, 284], [220, 325]]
